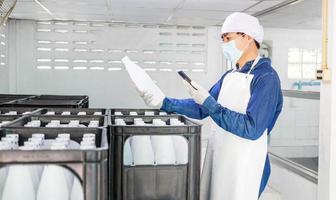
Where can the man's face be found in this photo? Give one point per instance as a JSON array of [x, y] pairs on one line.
[[242, 40]]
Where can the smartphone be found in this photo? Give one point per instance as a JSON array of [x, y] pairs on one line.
[[186, 77]]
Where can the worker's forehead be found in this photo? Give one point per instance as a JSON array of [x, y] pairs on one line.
[[229, 34]]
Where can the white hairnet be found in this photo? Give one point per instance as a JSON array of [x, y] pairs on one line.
[[241, 22]]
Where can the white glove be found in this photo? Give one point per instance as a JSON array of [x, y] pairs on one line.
[[152, 100], [199, 94]]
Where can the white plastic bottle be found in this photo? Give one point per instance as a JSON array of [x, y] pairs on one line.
[[50, 113], [118, 113], [77, 192], [15, 138], [53, 185], [3, 170], [128, 157], [38, 142], [149, 113], [81, 113], [180, 144], [163, 113], [90, 136], [11, 142], [39, 137], [11, 113], [163, 147], [54, 123], [3, 178], [93, 124], [142, 150], [133, 113], [74, 123], [181, 149], [164, 150], [35, 170], [66, 113], [20, 184], [70, 144], [138, 122], [54, 176], [119, 122]]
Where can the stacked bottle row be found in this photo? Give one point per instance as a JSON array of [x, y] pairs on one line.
[[65, 113], [155, 149], [58, 124], [40, 182]]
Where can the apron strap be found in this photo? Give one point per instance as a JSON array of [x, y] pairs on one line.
[[254, 64], [252, 67]]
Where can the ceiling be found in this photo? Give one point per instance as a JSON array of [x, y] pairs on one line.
[[303, 15]]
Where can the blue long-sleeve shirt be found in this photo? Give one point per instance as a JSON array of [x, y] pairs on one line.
[[263, 109]]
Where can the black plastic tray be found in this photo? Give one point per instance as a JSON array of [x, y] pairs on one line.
[[51, 101]]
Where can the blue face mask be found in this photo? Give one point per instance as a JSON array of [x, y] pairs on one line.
[[231, 52]]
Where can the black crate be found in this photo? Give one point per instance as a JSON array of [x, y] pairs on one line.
[[75, 111], [83, 100], [4, 98], [90, 166], [140, 112], [45, 119], [161, 182], [63, 97], [20, 110], [57, 101]]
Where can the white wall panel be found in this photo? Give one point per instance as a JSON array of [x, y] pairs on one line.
[[4, 69]]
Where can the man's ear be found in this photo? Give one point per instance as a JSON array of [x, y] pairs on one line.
[[249, 38]]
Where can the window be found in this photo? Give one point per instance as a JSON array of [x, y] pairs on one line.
[[303, 63]]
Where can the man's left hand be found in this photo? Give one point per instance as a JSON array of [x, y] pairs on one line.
[[198, 93]]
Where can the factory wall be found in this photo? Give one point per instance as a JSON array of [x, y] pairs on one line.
[[106, 88]]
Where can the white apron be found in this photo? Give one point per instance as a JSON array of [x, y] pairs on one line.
[[233, 166]]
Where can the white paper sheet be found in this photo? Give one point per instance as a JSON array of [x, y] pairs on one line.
[[142, 80]]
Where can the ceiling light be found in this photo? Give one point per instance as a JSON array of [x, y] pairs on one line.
[[44, 8], [276, 7]]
